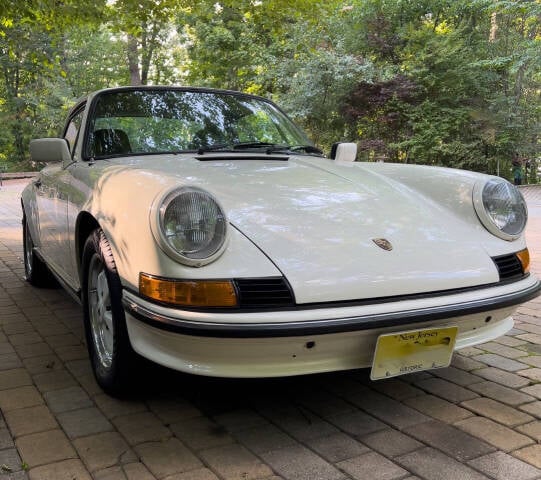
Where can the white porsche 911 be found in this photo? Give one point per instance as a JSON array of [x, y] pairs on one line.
[[202, 230]]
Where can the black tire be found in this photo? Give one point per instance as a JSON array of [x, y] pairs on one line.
[[36, 272], [113, 360]]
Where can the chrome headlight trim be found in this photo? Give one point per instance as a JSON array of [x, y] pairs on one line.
[[214, 246], [483, 193]]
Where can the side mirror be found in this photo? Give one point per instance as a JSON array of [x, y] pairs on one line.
[[344, 152], [49, 150]]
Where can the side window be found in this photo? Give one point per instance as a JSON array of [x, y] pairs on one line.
[[72, 130]]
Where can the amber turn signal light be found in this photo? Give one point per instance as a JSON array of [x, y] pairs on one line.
[[524, 257], [188, 293]]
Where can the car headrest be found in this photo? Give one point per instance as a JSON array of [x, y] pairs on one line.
[[111, 141]]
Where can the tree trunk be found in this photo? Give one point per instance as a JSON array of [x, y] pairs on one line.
[[133, 61], [493, 27], [16, 130], [148, 50]]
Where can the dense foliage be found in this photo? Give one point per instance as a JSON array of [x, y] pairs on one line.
[[454, 83]]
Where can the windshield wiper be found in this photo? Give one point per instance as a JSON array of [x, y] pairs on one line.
[[226, 147], [242, 145], [269, 147], [295, 148], [276, 147], [229, 147]]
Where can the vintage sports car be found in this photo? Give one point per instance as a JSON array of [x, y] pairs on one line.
[[202, 230]]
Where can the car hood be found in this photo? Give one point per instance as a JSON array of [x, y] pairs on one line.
[[320, 224]]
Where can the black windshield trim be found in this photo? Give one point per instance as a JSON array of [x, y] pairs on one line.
[[141, 154]]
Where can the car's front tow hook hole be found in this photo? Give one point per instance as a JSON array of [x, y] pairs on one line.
[[488, 319], [310, 345]]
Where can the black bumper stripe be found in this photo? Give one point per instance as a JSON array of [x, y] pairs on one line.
[[321, 327]]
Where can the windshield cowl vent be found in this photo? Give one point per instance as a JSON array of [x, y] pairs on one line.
[[228, 156]]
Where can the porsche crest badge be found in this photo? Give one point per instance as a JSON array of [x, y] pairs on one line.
[[383, 243]]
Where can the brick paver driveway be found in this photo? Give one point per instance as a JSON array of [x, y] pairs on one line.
[[478, 419]]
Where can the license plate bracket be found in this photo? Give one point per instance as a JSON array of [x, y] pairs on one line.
[[410, 351]]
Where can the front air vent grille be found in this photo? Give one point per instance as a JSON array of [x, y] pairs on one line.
[[264, 292], [509, 266]]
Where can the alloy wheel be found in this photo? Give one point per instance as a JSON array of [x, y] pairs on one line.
[[100, 312]]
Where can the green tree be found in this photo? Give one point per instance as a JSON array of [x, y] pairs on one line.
[[146, 28], [425, 81], [26, 62], [30, 62], [92, 58], [475, 94]]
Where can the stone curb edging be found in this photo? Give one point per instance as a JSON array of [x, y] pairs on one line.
[[16, 175]]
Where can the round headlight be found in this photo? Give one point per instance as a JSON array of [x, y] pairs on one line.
[[192, 226], [501, 208]]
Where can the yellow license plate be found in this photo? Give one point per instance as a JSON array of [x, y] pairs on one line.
[[406, 352]]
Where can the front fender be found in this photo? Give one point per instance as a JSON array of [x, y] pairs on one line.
[[121, 203]]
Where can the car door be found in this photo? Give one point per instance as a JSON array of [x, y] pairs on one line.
[[53, 196]]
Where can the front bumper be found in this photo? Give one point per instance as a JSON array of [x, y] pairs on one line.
[[304, 340]]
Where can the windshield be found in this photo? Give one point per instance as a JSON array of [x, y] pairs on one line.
[[174, 121]]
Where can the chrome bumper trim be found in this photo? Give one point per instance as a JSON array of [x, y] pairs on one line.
[[326, 326]]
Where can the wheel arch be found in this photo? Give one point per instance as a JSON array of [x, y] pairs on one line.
[[85, 225], [24, 202], [23, 210], [30, 213]]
